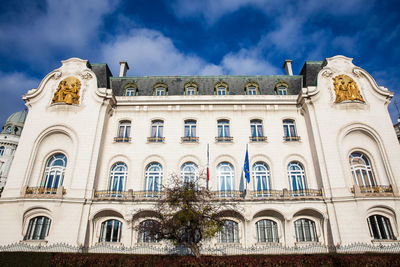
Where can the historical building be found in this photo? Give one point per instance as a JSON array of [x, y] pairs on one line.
[[9, 138], [95, 150]]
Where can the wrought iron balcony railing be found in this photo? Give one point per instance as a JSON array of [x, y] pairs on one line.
[[291, 138], [228, 194], [258, 139], [372, 190], [306, 193], [43, 192], [189, 139], [122, 139], [110, 194], [155, 139], [126, 195], [267, 194], [225, 139]]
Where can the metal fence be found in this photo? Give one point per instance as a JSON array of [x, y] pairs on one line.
[[218, 250]]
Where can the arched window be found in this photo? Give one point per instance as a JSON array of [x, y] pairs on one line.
[[190, 88], [380, 227], [118, 176], [54, 173], [145, 231], [156, 134], [267, 231], [38, 228], [189, 172], [2, 149], [252, 88], [229, 232], [130, 89], [281, 88], [221, 88], [225, 177], [110, 231], [305, 231], [223, 131], [261, 177], [289, 131], [297, 177], [160, 89], [124, 131], [361, 169], [153, 179], [256, 128]]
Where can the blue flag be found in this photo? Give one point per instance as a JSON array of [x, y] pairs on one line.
[[246, 168]]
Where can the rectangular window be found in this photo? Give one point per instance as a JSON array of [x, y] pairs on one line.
[[251, 90], [221, 90], [160, 91], [190, 128], [191, 90], [282, 90]]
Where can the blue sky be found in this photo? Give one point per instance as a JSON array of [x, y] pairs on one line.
[[182, 37]]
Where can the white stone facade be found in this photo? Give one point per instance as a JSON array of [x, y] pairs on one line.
[[330, 203]]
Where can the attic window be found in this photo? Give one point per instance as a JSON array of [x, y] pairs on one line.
[[281, 88], [130, 89], [252, 88], [221, 88], [160, 89], [190, 88]]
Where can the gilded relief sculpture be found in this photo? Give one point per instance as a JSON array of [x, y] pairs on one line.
[[67, 91], [346, 89]]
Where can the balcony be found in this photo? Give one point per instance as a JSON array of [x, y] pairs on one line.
[[223, 139], [291, 138], [155, 139], [126, 195], [375, 190], [122, 139], [228, 194], [189, 139], [287, 194], [258, 139], [43, 192]]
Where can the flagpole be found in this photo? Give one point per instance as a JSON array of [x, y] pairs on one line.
[[247, 150], [208, 164]]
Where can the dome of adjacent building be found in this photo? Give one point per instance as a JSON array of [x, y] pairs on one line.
[[15, 123]]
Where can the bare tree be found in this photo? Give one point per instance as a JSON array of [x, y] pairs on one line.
[[187, 214]]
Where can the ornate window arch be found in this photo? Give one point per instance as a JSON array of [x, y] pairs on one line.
[[225, 178], [221, 88], [380, 227], [130, 89], [252, 88], [229, 232], [305, 230], [281, 88], [53, 175], [189, 172], [297, 177], [38, 228], [361, 169], [261, 178], [153, 179], [267, 231], [118, 177], [110, 231], [145, 235], [160, 89], [191, 88]]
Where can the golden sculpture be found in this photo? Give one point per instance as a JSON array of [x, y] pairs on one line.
[[68, 91], [346, 89]]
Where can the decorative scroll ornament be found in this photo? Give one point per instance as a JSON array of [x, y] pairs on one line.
[[346, 89], [67, 91], [86, 75]]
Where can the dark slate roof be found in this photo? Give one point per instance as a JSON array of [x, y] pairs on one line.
[[236, 84], [310, 71], [103, 74]]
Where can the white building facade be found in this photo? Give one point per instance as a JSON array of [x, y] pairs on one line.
[[96, 150]]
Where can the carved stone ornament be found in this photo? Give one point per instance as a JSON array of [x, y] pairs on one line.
[[346, 89], [67, 91], [86, 75]]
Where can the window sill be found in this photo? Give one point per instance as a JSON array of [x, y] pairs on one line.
[[190, 140], [155, 139], [122, 139], [291, 138], [224, 139], [257, 139]]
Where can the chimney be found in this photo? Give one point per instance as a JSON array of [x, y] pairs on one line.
[[288, 67], [123, 68]]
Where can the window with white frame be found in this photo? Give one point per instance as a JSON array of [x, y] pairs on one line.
[[110, 231], [256, 128], [223, 128], [54, 173], [189, 172], [124, 129], [361, 169], [297, 176], [38, 228], [267, 231], [261, 177], [380, 227], [2, 149], [251, 90], [305, 231], [157, 128], [282, 90], [229, 232], [130, 91], [118, 175], [190, 128], [191, 90], [289, 130], [145, 231], [225, 177], [153, 179], [160, 89]]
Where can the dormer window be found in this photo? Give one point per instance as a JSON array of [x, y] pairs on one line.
[[221, 88], [252, 88], [281, 88], [160, 89], [190, 88], [130, 89]]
